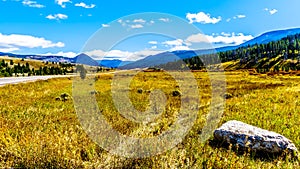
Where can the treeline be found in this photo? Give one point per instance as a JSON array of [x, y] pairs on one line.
[[8, 69], [281, 55], [287, 47]]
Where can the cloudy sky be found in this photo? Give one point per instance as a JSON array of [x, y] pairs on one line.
[[65, 27]]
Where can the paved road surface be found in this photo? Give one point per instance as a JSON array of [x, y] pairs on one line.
[[15, 80]]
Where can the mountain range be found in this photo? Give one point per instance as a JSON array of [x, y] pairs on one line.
[[166, 57], [160, 58]]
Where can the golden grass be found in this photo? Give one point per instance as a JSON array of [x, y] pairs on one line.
[[36, 64], [38, 131]]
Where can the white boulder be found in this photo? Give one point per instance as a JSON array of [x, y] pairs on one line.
[[246, 136]]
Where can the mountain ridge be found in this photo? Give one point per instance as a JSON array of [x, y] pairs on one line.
[[261, 39], [160, 58]]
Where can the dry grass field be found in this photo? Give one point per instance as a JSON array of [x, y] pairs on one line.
[[39, 131]]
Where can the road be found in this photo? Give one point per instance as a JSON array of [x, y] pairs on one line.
[[15, 80]]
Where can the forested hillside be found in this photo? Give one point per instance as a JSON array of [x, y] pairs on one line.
[[20, 67], [281, 55]]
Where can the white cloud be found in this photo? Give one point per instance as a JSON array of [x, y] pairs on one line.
[[105, 25], [139, 21], [143, 53], [122, 22], [203, 18], [197, 38], [64, 54], [118, 53], [135, 23], [121, 55], [164, 19], [57, 16], [177, 44], [90, 15], [14, 42], [137, 26], [241, 16], [99, 54], [153, 47], [96, 54], [152, 42], [180, 48], [224, 38], [225, 34], [32, 4], [83, 5], [8, 49], [62, 3], [271, 11], [236, 17]]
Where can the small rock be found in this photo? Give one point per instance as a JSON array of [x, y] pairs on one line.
[[176, 93], [65, 99], [140, 90], [228, 96], [94, 92], [246, 136], [64, 96]]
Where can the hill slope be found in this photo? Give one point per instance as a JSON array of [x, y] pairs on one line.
[[166, 57], [280, 55], [84, 59], [271, 36]]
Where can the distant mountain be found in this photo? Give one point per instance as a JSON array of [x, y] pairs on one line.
[[166, 57], [81, 58], [161, 58], [40, 57], [271, 36], [85, 59], [113, 63], [273, 57]]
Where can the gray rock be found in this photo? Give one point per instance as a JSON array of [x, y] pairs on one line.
[[94, 92], [176, 93], [227, 96], [246, 136], [64, 96]]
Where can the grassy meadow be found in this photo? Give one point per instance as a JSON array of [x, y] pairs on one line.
[[36, 64], [39, 131]]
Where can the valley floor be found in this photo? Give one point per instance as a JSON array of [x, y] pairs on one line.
[[39, 130]]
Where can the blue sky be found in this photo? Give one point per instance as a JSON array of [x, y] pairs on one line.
[[63, 27]]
